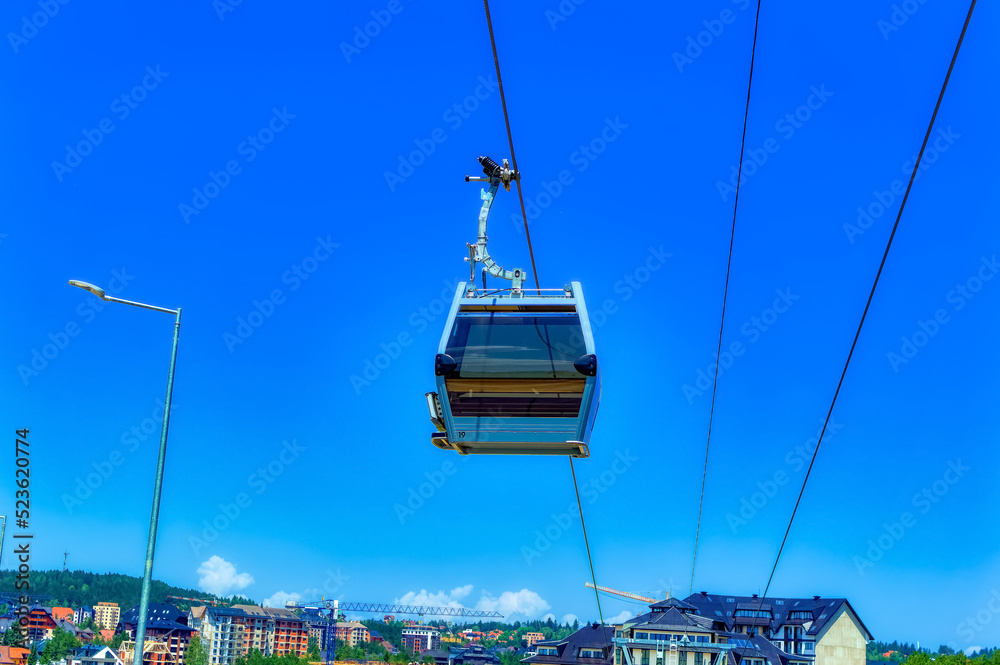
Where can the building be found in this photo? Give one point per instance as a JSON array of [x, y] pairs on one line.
[[353, 633], [164, 623], [709, 629], [62, 614], [316, 625], [531, 638], [474, 654], [13, 655], [40, 625], [591, 645], [153, 653], [376, 637], [291, 636], [81, 614], [156, 612], [417, 639], [106, 615], [258, 629], [93, 654], [221, 630], [825, 631]]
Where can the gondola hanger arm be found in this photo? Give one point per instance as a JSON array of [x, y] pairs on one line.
[[496, 175]]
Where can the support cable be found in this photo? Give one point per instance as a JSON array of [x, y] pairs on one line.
[[510, 140], [885, 255], [725, 294], [586, 542], [531, 252]]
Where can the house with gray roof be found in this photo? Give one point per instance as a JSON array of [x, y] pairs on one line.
[[711, 629], [591, 645]]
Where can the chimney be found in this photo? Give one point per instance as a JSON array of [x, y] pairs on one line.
[[815, 597], [755, 595], [704, 593]]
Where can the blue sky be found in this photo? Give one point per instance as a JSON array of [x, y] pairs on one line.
[[297, 189]]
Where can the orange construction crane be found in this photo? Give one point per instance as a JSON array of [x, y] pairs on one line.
[[195, 600], [623, 594]]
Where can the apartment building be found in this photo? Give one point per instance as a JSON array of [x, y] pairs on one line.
[[258, 629], [417, 639], [290, 632], [221, 630], [107, 615], [824, 631], [81, 614], [531, 638], [711, 629], [352, 632]]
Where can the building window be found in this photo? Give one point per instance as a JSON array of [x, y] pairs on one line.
[[698, 658], [683, 658], [618, 657], [645, 657]]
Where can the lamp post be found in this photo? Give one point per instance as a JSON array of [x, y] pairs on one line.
[[147, 575]]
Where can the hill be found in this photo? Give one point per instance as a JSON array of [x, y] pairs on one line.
[[77, 588]]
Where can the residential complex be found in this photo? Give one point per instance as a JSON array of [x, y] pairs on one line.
[[355, 633], [702, 629], [106, 615], [710, 629], [417, 639]]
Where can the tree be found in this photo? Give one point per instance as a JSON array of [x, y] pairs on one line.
[[312, 648], [59, 646], [196, 654], [13, 637]]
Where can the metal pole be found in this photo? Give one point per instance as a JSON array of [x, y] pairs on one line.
[[3, 529], [147, 575]]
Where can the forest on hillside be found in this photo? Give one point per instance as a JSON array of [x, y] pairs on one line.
[[77, 588]]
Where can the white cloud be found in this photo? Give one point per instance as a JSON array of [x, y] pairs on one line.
[[280, 598], [971, 650], [547, 616], [439, 599], [218, 576], [620, 618], [524, 603], [569, 618]]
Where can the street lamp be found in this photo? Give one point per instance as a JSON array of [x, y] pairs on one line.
[[147, 575]]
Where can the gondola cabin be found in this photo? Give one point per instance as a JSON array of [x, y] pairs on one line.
[[516, 374]]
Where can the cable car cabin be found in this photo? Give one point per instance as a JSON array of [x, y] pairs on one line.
[[516, 375]]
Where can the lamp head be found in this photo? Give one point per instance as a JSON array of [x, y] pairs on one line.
[[96, 290]]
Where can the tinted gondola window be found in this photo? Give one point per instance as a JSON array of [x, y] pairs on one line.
[[505, 346]]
